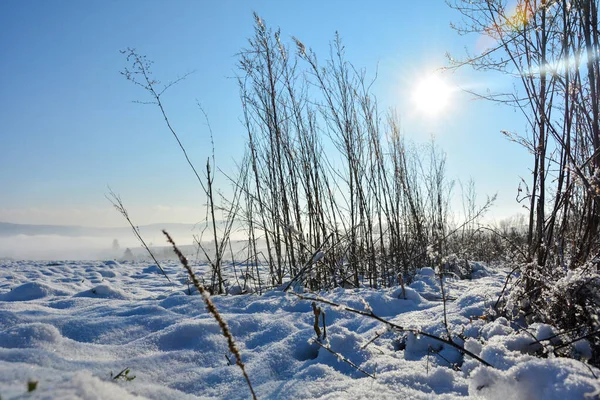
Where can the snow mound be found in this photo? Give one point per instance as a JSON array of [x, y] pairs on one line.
[[426, 284], [152, 269], [82, 385], [29, 335], [107, 274], [105, 292], [202, 335], [235, 290], [548, 379], [72, 386], [408, 292], [31, 291], [478, 270], [426, 272], [499, 327]]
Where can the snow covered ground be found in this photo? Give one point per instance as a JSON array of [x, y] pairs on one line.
[[72, 326]]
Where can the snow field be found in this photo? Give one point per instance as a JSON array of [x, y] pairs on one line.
[[69, 325]]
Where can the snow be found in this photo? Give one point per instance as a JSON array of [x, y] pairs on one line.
[[551, 379], [73, 326]]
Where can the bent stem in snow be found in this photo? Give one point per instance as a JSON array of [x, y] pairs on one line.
[[342, 358], [371, 314], [213, 310]]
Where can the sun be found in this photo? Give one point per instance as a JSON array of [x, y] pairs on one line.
[[431, 95]]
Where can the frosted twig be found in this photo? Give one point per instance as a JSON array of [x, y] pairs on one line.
[[393, 325], [344, 359]]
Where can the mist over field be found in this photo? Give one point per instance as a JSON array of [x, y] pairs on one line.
[[55, 242]]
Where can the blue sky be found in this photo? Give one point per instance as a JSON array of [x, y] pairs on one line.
[[69, 128]]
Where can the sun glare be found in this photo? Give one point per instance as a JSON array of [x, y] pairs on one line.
[[431, 95]]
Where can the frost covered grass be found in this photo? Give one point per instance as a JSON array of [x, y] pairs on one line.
[[72, 327]]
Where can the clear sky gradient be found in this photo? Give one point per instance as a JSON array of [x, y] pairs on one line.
[[69, 128]]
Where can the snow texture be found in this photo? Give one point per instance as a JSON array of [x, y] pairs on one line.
[[73, 326]]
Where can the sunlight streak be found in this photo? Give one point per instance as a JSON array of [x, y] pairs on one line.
[[562, 65]]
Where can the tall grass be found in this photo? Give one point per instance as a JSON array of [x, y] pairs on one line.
[[326, 173], [327, 169]]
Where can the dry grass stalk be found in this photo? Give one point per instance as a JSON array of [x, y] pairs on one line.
[[377, 336], [116, 201], [401, 279], [213, 310], [317, 312]]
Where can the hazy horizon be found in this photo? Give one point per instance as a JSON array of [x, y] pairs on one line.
[[60, 242]]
